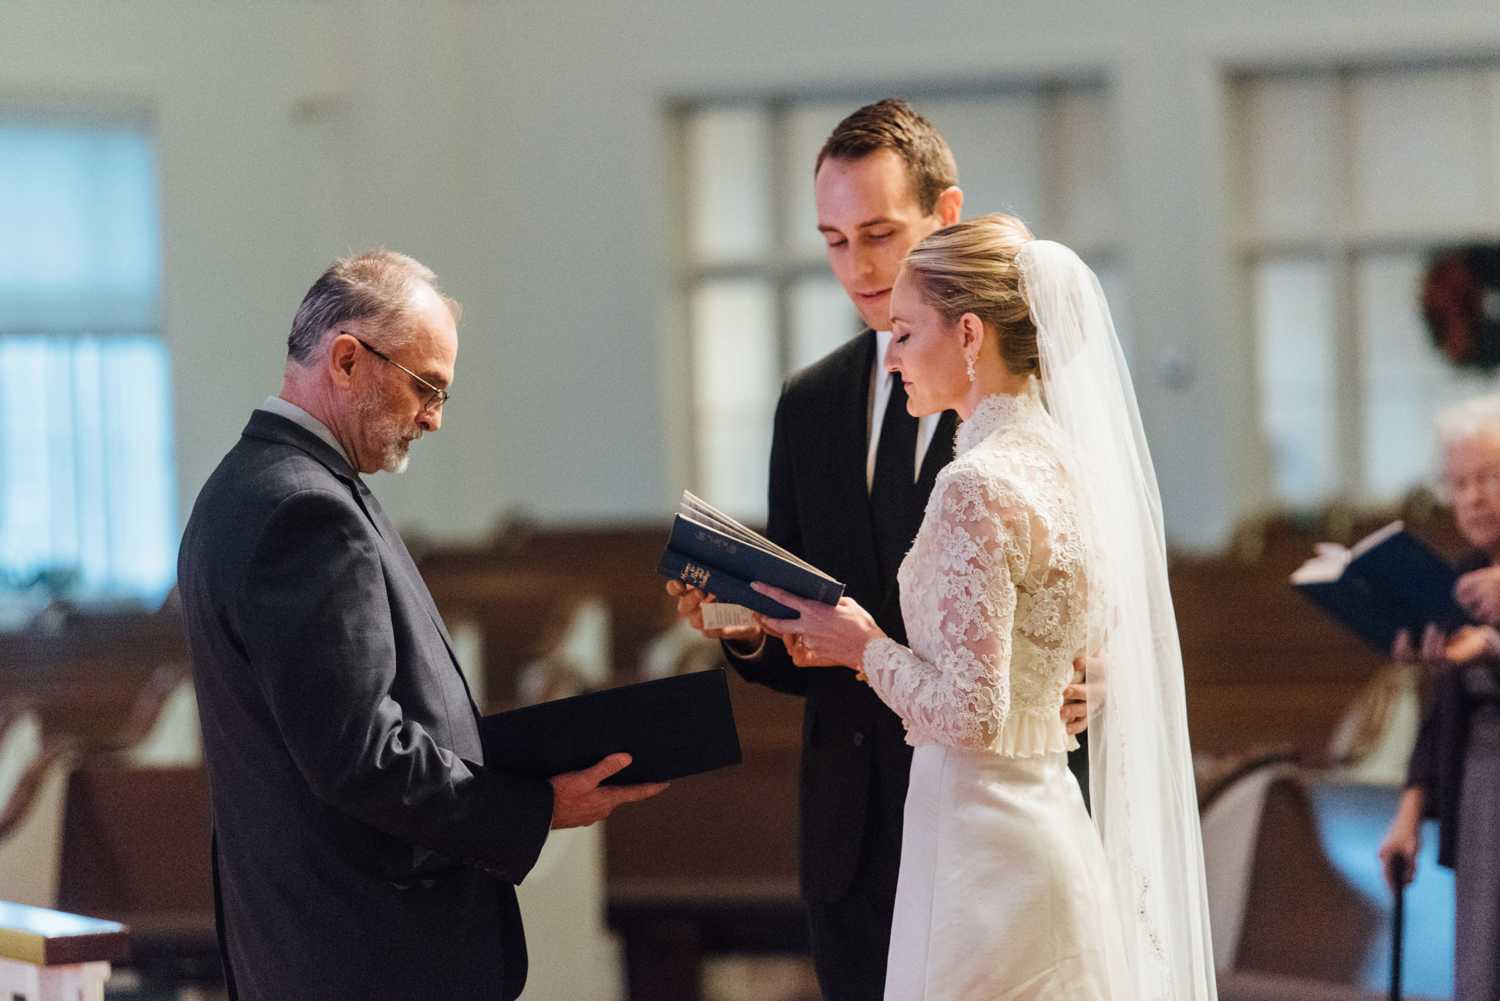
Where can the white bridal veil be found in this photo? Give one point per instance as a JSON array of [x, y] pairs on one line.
[[1141, 778]]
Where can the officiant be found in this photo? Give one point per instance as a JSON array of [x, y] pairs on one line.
[[362, 848], [1454, 773]]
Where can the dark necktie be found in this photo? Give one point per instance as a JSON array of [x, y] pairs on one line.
[[893, 490]]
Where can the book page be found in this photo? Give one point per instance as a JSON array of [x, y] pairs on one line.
[[697, 510], [1375, 538], [1327, 565], [719, 615]]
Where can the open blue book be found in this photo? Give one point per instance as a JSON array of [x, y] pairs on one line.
[[713, 552], [1388, 581]]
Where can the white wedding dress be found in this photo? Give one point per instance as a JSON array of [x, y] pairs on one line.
[[1003, 891]]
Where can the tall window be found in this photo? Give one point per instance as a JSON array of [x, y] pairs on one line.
[[760, 301], [86, 477], [1346, 179]]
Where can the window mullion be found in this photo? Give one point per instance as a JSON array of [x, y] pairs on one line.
[[1348, 390], [781, 241]]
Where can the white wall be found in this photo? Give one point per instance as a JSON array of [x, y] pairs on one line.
[[518, 149]]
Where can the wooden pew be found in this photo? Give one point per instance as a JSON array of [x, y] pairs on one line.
[[99, 678], [711, 863], [131, 843], [1262, 665], [32, 806], [135, 849], [1317, 916]]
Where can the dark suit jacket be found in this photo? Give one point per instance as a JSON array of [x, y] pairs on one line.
[[362, 849], [1437, 760], [820, 509]]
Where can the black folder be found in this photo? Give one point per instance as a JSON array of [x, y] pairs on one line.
[[671, 727]]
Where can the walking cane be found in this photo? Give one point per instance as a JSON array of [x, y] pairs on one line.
[[1400, 866]]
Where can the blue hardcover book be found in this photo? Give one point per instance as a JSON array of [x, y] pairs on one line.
[[707, 543], [727, 588], [1388, 581], [742, 559]]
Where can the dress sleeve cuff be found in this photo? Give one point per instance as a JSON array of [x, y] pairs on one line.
[[881, 658]]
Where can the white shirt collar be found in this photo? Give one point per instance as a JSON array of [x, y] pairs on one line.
[[295, 414], [882, 348], [880, 395]]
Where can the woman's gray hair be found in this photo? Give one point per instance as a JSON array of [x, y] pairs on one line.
[[375, 285], [1473, 417]]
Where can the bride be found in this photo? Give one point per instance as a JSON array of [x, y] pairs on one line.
[[1042, 542]]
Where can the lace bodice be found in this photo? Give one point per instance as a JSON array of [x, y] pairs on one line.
[[993, 592]]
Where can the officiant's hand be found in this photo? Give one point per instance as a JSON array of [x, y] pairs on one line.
[[578, 799], [690, 603], [1479, 592], [823, 635]]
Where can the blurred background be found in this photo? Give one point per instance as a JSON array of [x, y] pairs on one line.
[[621, 197]]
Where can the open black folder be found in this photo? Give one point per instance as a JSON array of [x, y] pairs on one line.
[[671, 727]]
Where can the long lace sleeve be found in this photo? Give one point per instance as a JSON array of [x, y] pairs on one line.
[[959, 691]]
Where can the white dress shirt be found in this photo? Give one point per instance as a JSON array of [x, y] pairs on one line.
[[880, 395]]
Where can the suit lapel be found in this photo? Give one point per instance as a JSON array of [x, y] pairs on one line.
[[939, 454], [273, 427], [393, 539]]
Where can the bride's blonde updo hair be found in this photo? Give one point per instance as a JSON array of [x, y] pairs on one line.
[[970, 267]]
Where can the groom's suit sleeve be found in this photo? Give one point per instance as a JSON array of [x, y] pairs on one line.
[[312, 608], [773, 666]]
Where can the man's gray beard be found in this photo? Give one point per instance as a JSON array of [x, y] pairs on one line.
[[395, 444]]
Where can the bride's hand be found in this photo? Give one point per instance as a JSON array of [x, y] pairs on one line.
[[823, 635]]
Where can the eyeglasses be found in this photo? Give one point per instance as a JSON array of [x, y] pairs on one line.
[[1486, 480], [436, 398]]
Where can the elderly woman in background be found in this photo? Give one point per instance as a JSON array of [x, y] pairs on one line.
[[1454, 773]]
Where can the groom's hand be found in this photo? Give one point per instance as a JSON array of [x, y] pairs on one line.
[[1084, 694], [578, 799], [690, 603]]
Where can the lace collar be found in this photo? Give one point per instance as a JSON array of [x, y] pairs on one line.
[[994, 412]]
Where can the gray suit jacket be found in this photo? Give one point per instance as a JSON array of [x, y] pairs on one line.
[[362, 849]]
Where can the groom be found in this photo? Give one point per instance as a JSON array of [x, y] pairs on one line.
[[851, 471]]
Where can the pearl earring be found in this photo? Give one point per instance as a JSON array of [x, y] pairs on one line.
[[969, 367]]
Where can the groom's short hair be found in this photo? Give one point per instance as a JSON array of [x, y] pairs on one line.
[[892, 124]]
